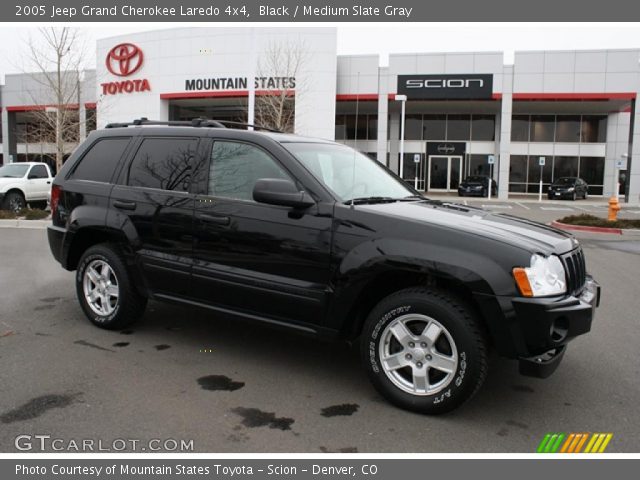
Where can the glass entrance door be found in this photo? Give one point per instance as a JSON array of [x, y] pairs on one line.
[[445, 172]]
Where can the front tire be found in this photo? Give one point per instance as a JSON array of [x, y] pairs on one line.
[[105, 289], [14, 201], [424, 350]]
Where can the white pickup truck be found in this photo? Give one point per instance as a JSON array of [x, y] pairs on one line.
[[24, 183]]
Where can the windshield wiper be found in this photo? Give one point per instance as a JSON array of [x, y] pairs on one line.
[[361, 200], [412, 197]]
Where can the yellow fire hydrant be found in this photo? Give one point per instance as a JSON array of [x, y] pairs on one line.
[[614, 207]]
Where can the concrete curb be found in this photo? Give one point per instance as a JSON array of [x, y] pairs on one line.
[[582, 228], [18, 223]]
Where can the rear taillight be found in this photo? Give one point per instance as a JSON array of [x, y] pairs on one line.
[[55, 198]]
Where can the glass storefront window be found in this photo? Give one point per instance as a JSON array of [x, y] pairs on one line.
[[565, 167], [520, 128], [479, 165], [458, 127], [534, 170], [409, 167], [518, 169], [483, 127], [592, 172], [568, 128], [594, 129], [542, 128], [372, 127], [413, 127], [341, 127], [358, 132], [434, 127]]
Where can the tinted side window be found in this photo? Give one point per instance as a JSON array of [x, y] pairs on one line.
[[163, 163], [235, 168], [39, 171], [99, 163]]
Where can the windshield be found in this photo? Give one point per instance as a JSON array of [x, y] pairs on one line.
[[347, 173], [475, 179], [13, 171], [565, 181]]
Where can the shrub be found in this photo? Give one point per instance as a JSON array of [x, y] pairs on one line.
[[592, 221]]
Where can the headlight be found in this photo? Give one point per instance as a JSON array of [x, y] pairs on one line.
[[544, 277], [570, 189]]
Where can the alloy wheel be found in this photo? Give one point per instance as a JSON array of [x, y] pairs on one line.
[[100, 287], [418, 354]]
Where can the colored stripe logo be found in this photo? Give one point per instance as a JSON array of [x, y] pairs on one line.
[[574, 443]]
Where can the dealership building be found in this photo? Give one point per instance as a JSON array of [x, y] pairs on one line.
[[547, 115]]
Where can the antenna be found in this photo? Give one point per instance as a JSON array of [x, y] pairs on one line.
[[355, 143]]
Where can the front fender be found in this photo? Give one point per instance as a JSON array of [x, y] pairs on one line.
[[480, 273]]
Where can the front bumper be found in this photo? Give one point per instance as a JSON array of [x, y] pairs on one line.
[[559, 194], [462, 191], [548, 324]]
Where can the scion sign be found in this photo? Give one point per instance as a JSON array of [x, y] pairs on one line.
[[446, 87]]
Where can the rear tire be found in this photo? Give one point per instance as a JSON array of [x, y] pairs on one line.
[[424, 350], [105, 288]]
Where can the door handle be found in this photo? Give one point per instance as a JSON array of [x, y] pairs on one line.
[[124, 205], [48, 183], [215, 219]]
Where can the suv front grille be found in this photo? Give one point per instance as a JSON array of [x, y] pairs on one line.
[[576, 270]]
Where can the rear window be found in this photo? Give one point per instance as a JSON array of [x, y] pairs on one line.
[[100, 162], [163, 163]]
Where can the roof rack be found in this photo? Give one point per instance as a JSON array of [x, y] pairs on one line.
[[196, 122]]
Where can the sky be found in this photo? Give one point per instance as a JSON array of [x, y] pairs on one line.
[[396, 38]]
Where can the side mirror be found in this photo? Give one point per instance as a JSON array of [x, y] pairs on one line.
[[277, 191]]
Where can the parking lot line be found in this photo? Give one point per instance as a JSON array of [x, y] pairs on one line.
[[523, 206], [496, 206]]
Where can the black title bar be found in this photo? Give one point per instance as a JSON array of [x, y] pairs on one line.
[[316, 11]]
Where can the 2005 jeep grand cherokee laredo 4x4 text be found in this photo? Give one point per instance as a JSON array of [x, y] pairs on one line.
[[311, 235]]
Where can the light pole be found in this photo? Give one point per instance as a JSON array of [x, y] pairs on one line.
[[403, 99]]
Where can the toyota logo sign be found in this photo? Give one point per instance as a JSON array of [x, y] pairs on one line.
[[124, 59]]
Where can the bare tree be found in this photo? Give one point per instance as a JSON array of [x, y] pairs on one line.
[[55, 64], [278, 83]]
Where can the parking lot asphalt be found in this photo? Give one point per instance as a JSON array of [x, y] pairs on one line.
[[187, 374], [546, 210]]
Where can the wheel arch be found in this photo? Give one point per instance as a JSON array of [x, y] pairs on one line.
[[87, 237], [15, 190], [391, 281]]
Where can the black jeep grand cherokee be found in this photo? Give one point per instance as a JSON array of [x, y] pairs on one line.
[[310, 235]]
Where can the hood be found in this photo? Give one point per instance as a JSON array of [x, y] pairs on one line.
[[531, 236]]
